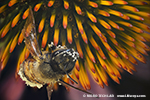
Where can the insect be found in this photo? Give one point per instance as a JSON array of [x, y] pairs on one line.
[[45, 67]]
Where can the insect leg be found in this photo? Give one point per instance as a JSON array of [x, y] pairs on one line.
[[68, 74], [63, 82], [82, 90], [49, 90]]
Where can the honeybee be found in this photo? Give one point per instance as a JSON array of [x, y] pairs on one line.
[[45, 67]]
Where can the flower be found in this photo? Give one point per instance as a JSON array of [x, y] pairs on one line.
[[109, 35]]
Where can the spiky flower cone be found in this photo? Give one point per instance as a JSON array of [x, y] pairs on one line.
[[108, 34]]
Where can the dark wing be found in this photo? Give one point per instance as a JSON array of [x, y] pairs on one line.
[[29, 33]]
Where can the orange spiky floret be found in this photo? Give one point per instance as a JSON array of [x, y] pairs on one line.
[[66, 4], [122, 2], [76, 72], [125, 17], [15, 20], [115, 78], [27, 53], [106, 45], [95, 29], [4, 62], [104, 13], [115, 69], [94, 44], [45, 38], [77, 65], [21, 59], [113, 40], [41, 25], [144, 14], [84, 37], [135, 16], [114, 12], [102, 61], [110, 32], [101, 53], [12, 2], [78, 9], [56, 36], [146, 36], [69, 34], [124, 54], [20, 39], [93, 4], [79, 48], [37, 6], [109, 68], [14, 43], [84, 78], [5, 29], [130, 8], [90, 63], [52, 20], [91, 56], [124, 23], [113, 24], [137, 2], [50, 3], [25, 14], [6, 51], [102, 74], [91, 17], [79, 24], [108, 3], [2, 8], [115, 60], [65, 22], [104, 24], [97, 78]]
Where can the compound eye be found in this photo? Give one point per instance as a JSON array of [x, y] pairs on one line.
[[65, 59]]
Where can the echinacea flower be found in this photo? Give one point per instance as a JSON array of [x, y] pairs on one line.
[[109, 35]]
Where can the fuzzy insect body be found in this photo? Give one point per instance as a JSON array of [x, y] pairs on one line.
[[45, 67]]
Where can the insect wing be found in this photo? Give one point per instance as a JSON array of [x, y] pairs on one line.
[[29, 33]]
